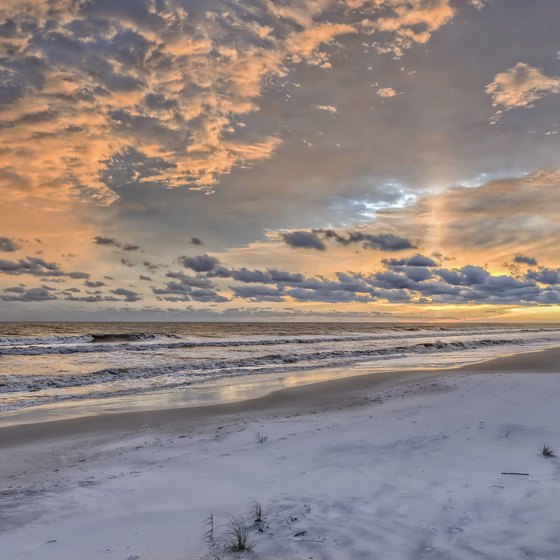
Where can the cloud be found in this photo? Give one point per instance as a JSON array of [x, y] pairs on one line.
[[37, 266], [196, 241], [379, 241], [200, 263], [545, 275], [466, 276], [76, 275], [158, 91], [415, 260], [259, 293], [409, 22], [416, 279], [189, 288], [270, 276], [150, 266], [8, 245], [20, 293], [477, 4], [186, 281], [524, 259], [91, 284], [521, 86], [101, 240], [386, 92], [304, 239], [111, 242], [490, 222], [128, 295], [327, 108], [314, 240], [346, 288], [303, 45], [94, 298]]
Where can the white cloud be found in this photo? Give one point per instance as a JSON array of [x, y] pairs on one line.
[[521, 86], [478, 4], [386, 92], [328, 108]]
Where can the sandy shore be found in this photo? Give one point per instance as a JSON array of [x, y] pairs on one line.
[[303, 399], [386, 466]]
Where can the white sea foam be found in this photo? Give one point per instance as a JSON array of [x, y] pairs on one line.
[[56, 367]]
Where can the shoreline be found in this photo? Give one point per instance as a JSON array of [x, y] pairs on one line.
[[305, 398]]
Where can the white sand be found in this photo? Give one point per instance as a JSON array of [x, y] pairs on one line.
[[404, 472]]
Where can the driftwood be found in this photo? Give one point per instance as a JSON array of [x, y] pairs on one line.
[[517, 473]]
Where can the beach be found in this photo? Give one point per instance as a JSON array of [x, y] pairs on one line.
[[279, 280], [388, 465]]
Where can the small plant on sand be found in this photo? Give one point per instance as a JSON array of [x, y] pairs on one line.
[[209, 526], [260, 438], [237, 535], [547, 451], [259, 517]]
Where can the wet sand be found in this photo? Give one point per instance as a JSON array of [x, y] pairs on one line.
[[314, 397]]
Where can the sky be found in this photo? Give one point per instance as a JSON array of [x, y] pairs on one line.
[[290, 160]]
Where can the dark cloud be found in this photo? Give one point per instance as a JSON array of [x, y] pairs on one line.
[[31, 265], [545, 275], [465, 276], [329, 296], [150, 266], [145, 278], [190, 281], [94, 298], [101, 240], [312, 240], [524, 259], [415, 260], [207, 296], [188, 288], [112, 242], [196, 241], [128, 295], [78, 275], [304, 240], [345, 288], [259, 293], [44, 293], [37, 266], [417, 273], [378, 241], [8, 245], [128, 263], [200, 263], [92, 284], [401, 282], [266, 277]]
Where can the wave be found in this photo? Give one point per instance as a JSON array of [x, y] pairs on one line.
[[148, 342], [97, 338], [8, 343], [190, 371]]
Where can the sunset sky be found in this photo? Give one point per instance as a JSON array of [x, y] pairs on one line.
[[358, 160]]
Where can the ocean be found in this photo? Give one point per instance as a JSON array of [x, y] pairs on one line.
[[46, 363]]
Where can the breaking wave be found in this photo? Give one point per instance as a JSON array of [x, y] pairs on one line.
[[54, 366]]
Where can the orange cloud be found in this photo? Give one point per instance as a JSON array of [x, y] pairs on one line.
[[100, 82]]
